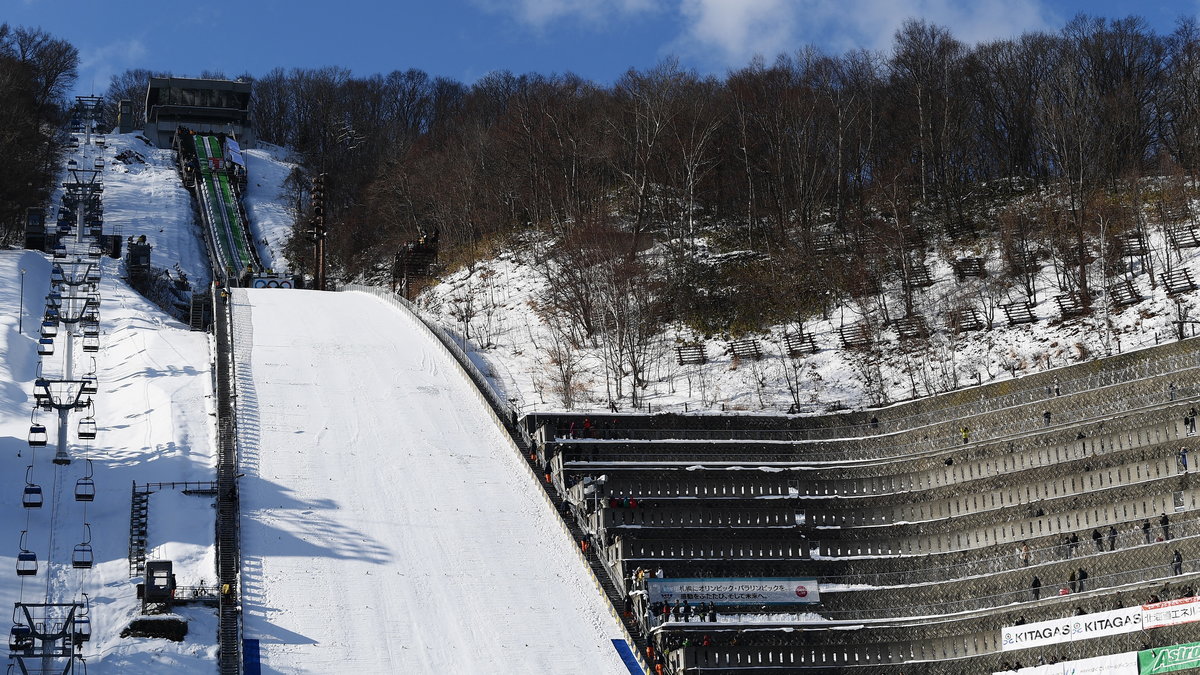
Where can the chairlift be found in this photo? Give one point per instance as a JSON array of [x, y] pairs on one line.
[[91, 343], [45, 347], [54, 299], [85, 488], [87, 428], [20, 638], [37, 432], [41, 391], [83, 629], [90, 385], [27, 563], [49, 329], [82, 557], [60, 252], [31, 498]]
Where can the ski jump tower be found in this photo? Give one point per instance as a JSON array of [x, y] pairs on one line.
[[207, 106]]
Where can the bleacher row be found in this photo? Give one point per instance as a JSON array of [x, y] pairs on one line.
[[929, 534]]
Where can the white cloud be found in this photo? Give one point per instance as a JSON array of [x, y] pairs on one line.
[[539, 13], [729, 32], [98, 64], [738, 29]]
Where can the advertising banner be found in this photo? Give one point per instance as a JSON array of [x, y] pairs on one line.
[[1058, 631], [734, 591], [1112, 664], [1170, 613], [1169, 659]]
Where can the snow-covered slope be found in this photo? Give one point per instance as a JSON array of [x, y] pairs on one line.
[[389, 527]]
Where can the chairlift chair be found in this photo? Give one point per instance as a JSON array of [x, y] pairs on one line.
[[85, 488], [45, 347], [31, 498], [83, 629], [49, 329], [82, 557], [27, 563], [87, 428], [20, 638], [37, 432], [41, 391], [54, 299], [91, 343]]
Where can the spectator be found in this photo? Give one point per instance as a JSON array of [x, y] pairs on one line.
[[1064, 549], [1098, 540], [676, 611], [874, 422], [1074, 543], [1083, 575], [1165, 523], [1146, 530], [1046, 418], [1026, 553], [1177, 563], [712, 612], [1183, 454], [687, 612], [1035, 588], [1057, 390], [966, 434], [1073, 582], [1112, 538]]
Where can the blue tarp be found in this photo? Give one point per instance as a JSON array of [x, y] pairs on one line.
[[251, 664], [623, 649]]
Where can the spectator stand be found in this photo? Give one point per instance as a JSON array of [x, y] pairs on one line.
[[965, 320], [1178, 280], [745, 348], [969, 267], [1019, 312], [1183, 235], [1123, 293], [911, 327], [856, 335], [799, 343], [691, 354], [1069, 304]]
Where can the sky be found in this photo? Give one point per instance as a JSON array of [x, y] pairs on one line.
[[466, 39]]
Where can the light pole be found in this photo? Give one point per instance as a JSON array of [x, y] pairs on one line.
[[21, 305]]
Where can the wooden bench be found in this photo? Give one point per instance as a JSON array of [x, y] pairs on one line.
[[969, 267], [1123, 293], [746, 348], [1069, 304], [1178, 280], [799, 343], [911, 327], [856, 336], [691, 354]]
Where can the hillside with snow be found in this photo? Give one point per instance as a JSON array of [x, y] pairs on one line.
[[498, 307]]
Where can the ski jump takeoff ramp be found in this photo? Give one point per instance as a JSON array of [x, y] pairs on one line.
[[387, 525]]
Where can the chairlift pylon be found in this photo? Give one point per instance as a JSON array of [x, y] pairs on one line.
[[82, 557], [85, 488], [31, 497], [27, 563]]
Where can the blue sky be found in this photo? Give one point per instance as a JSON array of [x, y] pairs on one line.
[[465, 39]]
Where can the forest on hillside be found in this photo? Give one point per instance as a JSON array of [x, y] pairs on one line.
[[36, 73], [770, 194]]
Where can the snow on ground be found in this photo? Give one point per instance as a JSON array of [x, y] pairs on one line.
[[143, 195], [151, 409], [388, 525], [267, 206]]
